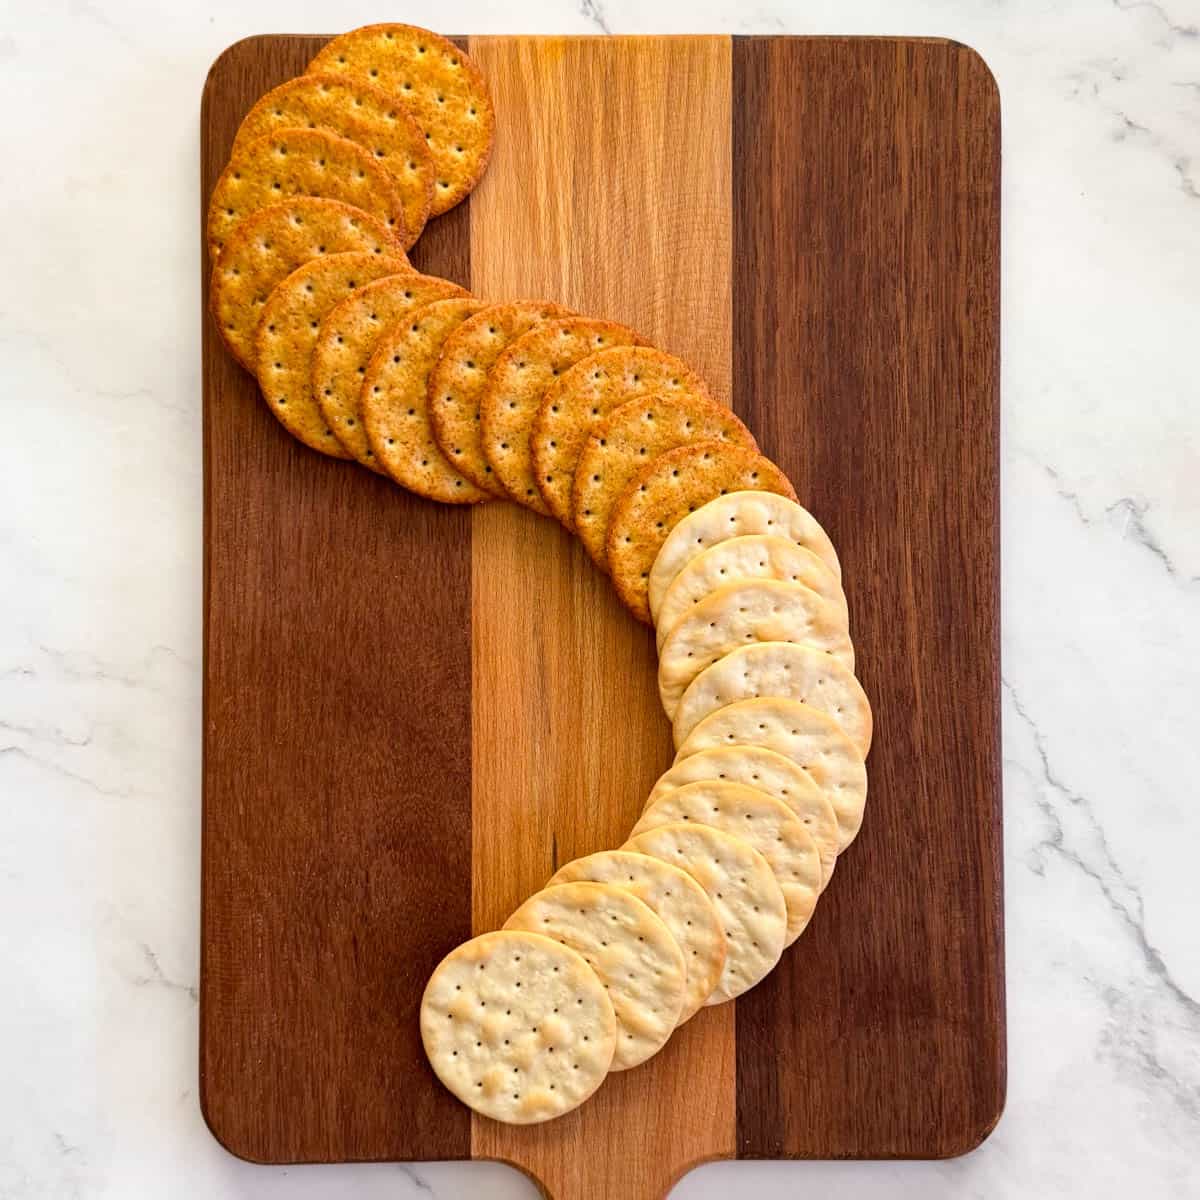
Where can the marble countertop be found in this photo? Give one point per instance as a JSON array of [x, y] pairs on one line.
[[100, 550]]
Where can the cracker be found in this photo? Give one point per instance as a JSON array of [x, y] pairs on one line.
[[585, 394], [754, 556], [810, 738], [395, 405], [743, 889], [629, 948], [301, 162], [347, 339], [267, 247], [758, 610], [287, 332], [797, 672], [676, 899], [363, 114], [518, 1026], [631, 436], [666, 491], [440, 86], [460, 375], [735, 515], [768, 772], [516, 385]]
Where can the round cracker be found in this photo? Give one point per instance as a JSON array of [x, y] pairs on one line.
[[347, 339], [267, 247], [438, 83], [676, 899], [585, 394], [735, 515], [743, 889], [810, 738], [768, 772], [631, 436], [755, 556], [460, 375], [363, 114], [664, 493], [629, 948], [798, 672], [518, 1026], [516, 385], [287, 332], [395, 404], [757, 610], [301, 162]]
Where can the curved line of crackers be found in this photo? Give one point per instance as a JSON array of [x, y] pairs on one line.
[[331, 179]]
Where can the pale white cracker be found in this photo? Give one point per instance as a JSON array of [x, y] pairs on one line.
[[518, 1027], [756, 610], [734, 515], [810, 738], [743, 889], [676, 899], [629, 948]]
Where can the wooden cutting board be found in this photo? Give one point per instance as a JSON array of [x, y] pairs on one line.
[[413, 713]]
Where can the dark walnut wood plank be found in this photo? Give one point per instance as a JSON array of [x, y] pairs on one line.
[[866, 324]]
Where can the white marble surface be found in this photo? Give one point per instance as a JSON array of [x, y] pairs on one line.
[[100, 494]]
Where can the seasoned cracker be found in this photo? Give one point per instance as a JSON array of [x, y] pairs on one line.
[[518, 1026], [676, 899], [347, 339], [438, 83], [736, 515], [458, 379], [301, 162], [287, 332], [630, 437], [743, 889], [585, 394], [810, 738], [629, 948], [366, 115], [766, 823], [516, 385], [267, 247], [788, 669], [769, 772], [395, 404], [664, 493]]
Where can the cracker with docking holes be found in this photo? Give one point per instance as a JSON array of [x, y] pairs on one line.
[[810, 738], [347, 339], [301, 162], [622, 443], [735, 515], [515, 387], [676, 899], [758, 610], [629, 948], [790, 669], [766, 823], [458, 379], [768, 772], [287, 333], [743, 889], [364, 114], [518, 1026], [267, 247], [584, 395], [754, 556], [395, 403], [663, 494], [438, 83]]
